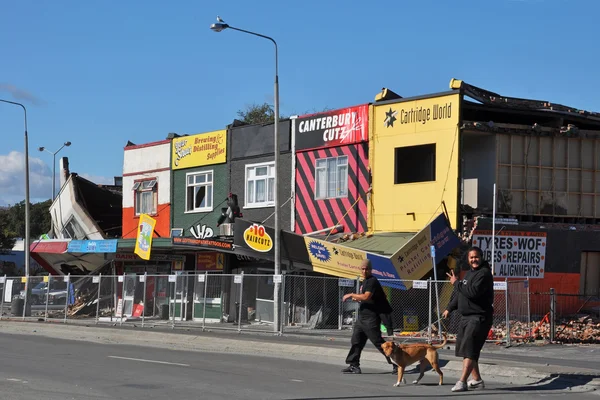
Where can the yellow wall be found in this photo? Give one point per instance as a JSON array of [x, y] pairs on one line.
[[390, 203]]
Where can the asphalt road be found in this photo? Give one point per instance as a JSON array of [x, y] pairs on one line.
[[42, 368]]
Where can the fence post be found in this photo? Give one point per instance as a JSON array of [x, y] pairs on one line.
[[241, 302], [68, 295], [204, 301], [305, 301], [144, 298], [282, 308], [98, 300], [122, 299], [27, 292], [340, 305], [47, 298], [174, 303], [429, 336], [529, 331], [506, 294], [552, 315], [3, 294]]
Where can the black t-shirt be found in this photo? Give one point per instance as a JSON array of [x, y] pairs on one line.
[[377, 304]]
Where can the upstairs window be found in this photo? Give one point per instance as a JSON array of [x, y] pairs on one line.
[[331, 177], [413, 164], [199, 192], [73, 230], [146, 197], [260, 182]]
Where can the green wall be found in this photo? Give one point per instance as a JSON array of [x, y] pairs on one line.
[[179, 218]]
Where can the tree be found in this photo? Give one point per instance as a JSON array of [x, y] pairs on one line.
[[7, 237], [255, 114], [40, 220]]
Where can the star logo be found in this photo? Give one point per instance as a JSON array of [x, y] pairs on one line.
[[400, 258], [390, 117], [335, 251]]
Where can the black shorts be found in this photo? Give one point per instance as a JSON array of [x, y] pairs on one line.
[[472, 333]]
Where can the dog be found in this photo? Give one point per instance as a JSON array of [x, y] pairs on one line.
[[404, 355]]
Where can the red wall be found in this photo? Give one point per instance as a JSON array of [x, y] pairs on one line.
[[163, 222]]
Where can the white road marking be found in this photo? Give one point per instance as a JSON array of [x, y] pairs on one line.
[[149, 361], [16, 380], [296, 380]]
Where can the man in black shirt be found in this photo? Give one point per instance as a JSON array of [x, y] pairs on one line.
[[373, 303], [474, 300]]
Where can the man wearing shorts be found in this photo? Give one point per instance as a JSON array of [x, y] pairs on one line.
[[474, 298]]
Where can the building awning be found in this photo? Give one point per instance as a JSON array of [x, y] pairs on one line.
[[50, 246], [400, 257]]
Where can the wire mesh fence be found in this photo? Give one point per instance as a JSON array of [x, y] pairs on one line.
[[245, 302]]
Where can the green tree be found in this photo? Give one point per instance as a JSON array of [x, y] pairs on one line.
[[40, 218], [258, 114], [7, 237]]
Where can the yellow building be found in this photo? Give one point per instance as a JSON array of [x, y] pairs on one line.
[[414, 161]]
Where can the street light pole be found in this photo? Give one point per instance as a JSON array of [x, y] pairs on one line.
[[67, 144], [218, 27], [27, 244]]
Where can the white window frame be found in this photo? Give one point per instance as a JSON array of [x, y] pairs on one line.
[[138, 188], [209, 207], [76, 227], [248, 197], [339, 194]]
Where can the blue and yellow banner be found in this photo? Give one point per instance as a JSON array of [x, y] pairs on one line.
[[342, 261], [143, 241], [413, 260]]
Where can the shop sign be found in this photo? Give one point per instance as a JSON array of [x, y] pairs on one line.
[[209, 261], [332, 128], [517, 254], [202, 231], [153, 257], [257, 238], [207, 243], [92, 246], [198, 150]]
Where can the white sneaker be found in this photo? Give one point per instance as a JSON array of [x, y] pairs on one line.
[[473, 384], [460, 387]]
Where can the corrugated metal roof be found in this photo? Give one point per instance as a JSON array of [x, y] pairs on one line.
[[385, 243]]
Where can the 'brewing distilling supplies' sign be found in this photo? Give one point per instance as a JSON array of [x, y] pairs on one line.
[[517, 254]]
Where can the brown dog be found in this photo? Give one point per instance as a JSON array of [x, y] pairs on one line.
[[406, 354]]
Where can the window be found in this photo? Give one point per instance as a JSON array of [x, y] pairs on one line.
[[146, 197], [331, 177], [260, 180], [199, 192], [72, 230], [414, 164]]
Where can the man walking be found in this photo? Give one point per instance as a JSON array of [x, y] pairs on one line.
[[474, 298], [373, 303]]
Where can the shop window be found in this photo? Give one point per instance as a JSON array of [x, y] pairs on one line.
[[260, 182], [72, 230], [146, 197], [331, 177], [414, 164], [199, 192]]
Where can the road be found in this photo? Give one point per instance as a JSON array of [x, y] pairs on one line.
[[36, 367]]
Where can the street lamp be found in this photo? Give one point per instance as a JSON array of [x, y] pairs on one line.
[[67, 144], [27, 244], [218, 27]]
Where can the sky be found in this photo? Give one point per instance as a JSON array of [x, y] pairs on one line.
[[100, 73]]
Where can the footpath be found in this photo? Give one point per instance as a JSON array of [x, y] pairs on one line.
[[570, 367]]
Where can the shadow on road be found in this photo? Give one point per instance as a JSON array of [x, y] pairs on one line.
[[555, 382]]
